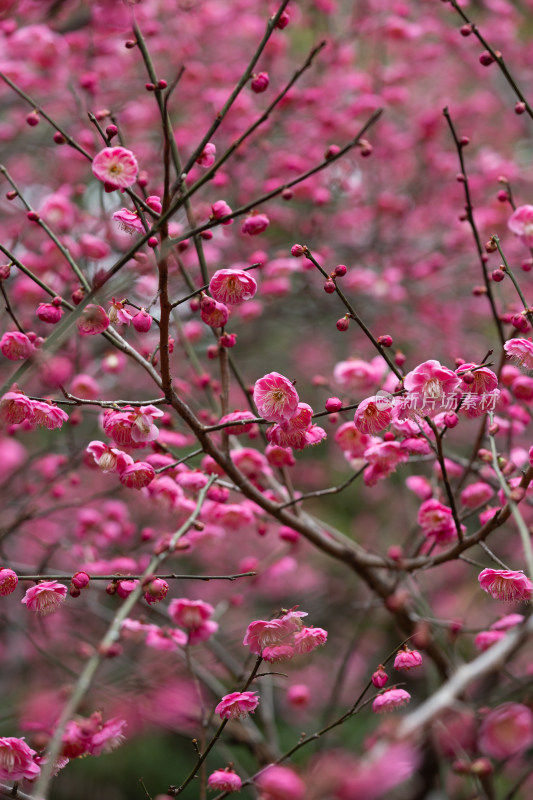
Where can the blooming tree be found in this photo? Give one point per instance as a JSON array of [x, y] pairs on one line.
[[266, 398]]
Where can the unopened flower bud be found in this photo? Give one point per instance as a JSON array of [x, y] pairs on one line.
[[451, 420], [297, 250], [152, 242], [260, 82], [33, 118], [491, 246], [111, 131], [329, 287], [59, 138], [498, 275], [333, 404], [385, 340], [80, 580], [343, 323], [379, 677], [486, 59], [340, 271]]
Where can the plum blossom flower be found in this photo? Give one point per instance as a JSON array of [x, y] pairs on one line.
[[521, 223], [207, 156], [16, 760], [521, 350], [407, 659], [116, 167], [383, 458], [255, 224], [109, 459], [506, 731], [430, 386], [118, 314], [506, 585], [221, 209], [48, 416], [237, 705], [45, 597], [373, 414], [215, 314], [307, 639], [268, 633], [232, 286], [436, 520], [93, 320], [15, 408], [8, 581], [236, 416], [137, 475], [275, 397], [50, 313], [189, 613], [16, 346], [224, 780], [277, 783], [389, 700], [130, 221]]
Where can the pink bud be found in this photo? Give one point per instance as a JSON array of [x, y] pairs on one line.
[[380, 677], [385, 340], [498, 275], [333, 404], [340, 270], [80, 580], [329, 287], [342, 323], [33, 118], [142, 322], [297, 250], [519, 108], [283, 21], [260, 82], [486, 59]]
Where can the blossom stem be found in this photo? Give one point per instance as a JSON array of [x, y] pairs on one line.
[[471, 221]]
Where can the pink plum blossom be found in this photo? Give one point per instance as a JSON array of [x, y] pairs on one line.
[[275, 397], [93, 320], [521, 223], [430, 386], [506, 585], [15, 408], [389, 700], [373, 415], [116, 167], [506, 731], [223, 780], [407, 659], [237, 705], [45, 597], [207, 156], [232, 286], [8, 581], [521, 350], [221, 209], [255, 224], [436, 520], [16, 346], [17, 760], [109, 459], [280, 783], [137, 475]]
